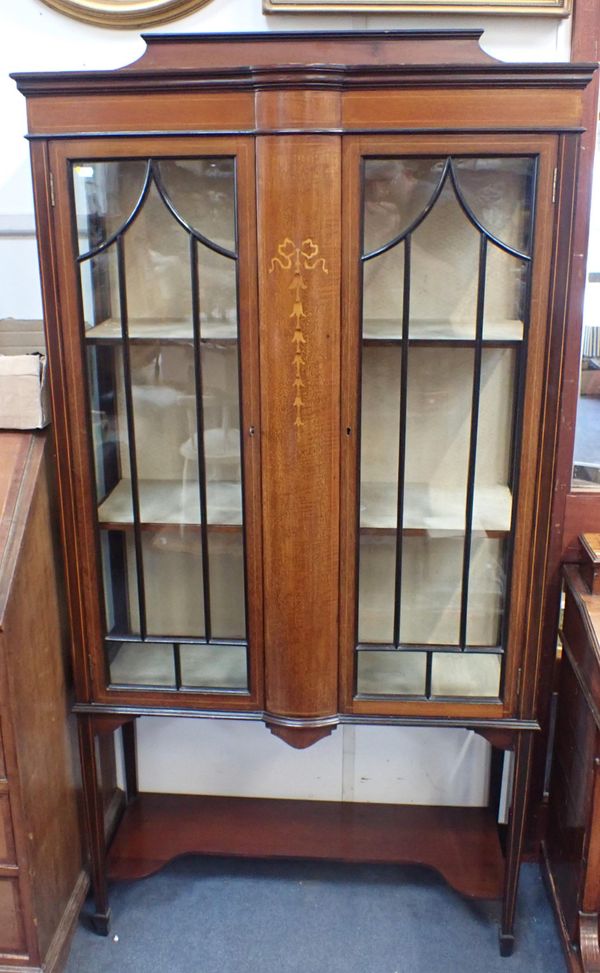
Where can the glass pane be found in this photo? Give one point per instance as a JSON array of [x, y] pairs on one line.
[[172, 563], [380, 425], [119, 575], [222, 445], [505, 296], [444, 272], [376, 586], [218, 295], [383, 293], [396, 192], [438, 429], [431, 589], [465, 674], [391, 673], [492, 500], [214, 666], [100, 295], [499, 191], [162, 380], [160, 312], [158, 279], [106, 194], [141, 664], [446, 443], [203, 193], [487, 586], [228, 610]]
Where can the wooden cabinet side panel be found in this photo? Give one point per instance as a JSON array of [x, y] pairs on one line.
[[299, 211], [570, 796], [42, 768]]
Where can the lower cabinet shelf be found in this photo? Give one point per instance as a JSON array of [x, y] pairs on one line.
[[461, 843]]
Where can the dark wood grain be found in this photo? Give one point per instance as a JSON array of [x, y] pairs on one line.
[[460, 843], [572, 842], [42, 885]]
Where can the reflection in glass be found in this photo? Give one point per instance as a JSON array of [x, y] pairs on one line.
[[157, 265], [505, 296], [106, 195], [141, 664], [391, 673], [431, 589], [201, 192], [498, 191], [465, 674], [396, 191], [214, 666], [377, 567], [586, 459], [446, 270], [443, 281], [159, 297], [226, 553]]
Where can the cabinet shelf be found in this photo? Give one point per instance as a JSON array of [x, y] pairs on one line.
[[152, 330], [389, 331], [459, 842], [168, 503], [428, 508]]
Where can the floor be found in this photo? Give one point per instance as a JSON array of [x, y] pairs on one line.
[[237, 916]]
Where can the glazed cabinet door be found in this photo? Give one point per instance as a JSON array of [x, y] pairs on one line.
[[158, 302], [444, 368]]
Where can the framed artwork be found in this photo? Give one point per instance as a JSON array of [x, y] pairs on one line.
[[556, 8], [125, 13]]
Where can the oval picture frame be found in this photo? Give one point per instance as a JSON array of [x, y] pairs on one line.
[[125, 13]]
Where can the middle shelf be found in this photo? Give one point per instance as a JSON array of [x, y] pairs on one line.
[[426, 508], [163, 502], [435, 508]]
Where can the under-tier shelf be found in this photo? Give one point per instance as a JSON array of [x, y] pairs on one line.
[[149, 329], [390, 330], [428, 508], [169, 502], [461, 843]]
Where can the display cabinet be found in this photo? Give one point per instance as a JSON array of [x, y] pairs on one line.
[[305, 322]]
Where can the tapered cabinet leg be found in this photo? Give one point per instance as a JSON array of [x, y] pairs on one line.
[[514, 843], [94, 820], [128, 738]]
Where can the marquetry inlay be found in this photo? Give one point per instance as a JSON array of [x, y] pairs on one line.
[[297, 259]]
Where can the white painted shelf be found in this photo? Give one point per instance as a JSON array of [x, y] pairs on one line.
[[422, 330], [173, 502], [156, 330], [430, 508]]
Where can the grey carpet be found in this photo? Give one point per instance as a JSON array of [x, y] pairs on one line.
[[234, 916]]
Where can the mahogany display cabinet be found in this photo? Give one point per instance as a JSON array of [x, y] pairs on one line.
[[305, 302]]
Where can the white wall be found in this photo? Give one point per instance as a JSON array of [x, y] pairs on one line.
[[228, 757]]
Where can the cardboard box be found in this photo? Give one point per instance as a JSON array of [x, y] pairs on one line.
[[24, 397]]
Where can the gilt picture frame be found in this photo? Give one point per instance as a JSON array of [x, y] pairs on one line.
[[549, 8], [125, 13]]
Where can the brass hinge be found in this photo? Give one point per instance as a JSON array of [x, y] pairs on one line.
[[52, 200], [554, 184]]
